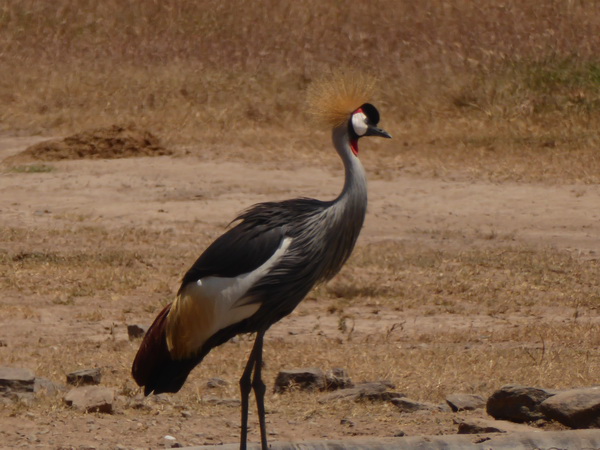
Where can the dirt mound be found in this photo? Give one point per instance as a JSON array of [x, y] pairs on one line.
[[100, 143]]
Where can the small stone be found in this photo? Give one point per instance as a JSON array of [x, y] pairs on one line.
[[222, 401], [347, 422], [24, 398], [216, 383], [387, 383], [576, 408], [373, 391], [85, 377], [517, 403], [476, 426], [160, 399], [15, 379], [465, 402], [303, 379], [91, 399], [170, 442], [45, 385], [444, 407], [135, 331], [338, 378], [408, 405], [186, 414]]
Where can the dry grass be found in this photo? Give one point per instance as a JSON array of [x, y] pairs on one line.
[[81, 261], [491, 278], [492, 294], [510, 314], [506, 313], [505, 90], [500, 90]]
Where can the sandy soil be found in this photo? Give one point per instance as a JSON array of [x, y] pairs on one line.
[[164, 193], [161, 192]]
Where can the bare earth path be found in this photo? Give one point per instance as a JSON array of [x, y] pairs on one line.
[[164, 191]]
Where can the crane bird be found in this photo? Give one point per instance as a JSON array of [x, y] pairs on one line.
[[259, 270]]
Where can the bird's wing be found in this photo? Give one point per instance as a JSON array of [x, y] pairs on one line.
[[213, 294], [240, 250]]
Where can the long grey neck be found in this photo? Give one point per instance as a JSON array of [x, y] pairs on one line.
[[346, 215], [354, 193]]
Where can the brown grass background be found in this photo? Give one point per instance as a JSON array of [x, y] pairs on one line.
[[494, 90], [507, 90]]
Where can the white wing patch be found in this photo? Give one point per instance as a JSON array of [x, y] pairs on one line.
[[211, 304]]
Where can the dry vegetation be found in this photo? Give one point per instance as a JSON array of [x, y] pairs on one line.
[[503, 91], [509, 315], [507, 90]]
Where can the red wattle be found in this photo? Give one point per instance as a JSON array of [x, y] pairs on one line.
[[354, 146]]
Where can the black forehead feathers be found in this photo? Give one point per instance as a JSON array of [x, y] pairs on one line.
[[371, 113]]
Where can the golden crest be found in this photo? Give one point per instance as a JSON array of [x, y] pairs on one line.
[[334, 97]]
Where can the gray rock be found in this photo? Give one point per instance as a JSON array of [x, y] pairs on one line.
[[45, 385], [517, 403], [170, 442], [465, 402], [576, 408], [136, 331], [444, 407], [377, 391], [338, 378], [216, 382], [569, 439], [15, 379], [139, 404], [24, 398], [303, 379], [408, 405], [234, 402], [477, 426], [85, 377], [91, 399], [374, 391], [347, 422]]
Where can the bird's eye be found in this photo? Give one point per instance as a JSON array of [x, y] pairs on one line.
[[359, 123]]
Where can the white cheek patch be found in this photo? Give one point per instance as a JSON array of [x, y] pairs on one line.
[[359, 123]]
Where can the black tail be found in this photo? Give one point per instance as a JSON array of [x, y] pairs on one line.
[[153, 367]]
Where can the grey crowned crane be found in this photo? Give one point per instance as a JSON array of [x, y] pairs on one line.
[[259, 270]]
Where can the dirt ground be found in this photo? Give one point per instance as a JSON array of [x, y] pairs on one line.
[[94, 245]]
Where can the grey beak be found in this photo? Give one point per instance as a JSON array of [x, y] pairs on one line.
[[375, 131]]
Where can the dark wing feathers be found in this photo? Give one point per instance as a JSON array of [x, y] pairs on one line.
[[253, 240], [241, 249]]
